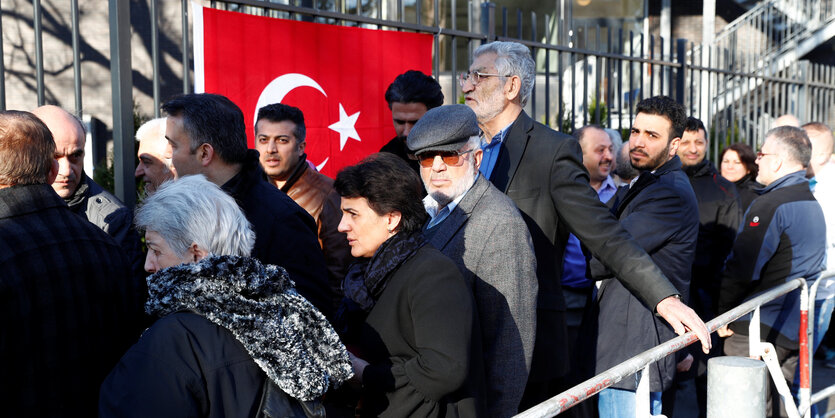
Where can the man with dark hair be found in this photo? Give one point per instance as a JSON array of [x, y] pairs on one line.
[[207, 136], [68, 306], [481, 230], [657, 211], [542, 172], [781, 239], [80, 192], [409, 96], [280, 140], [719, 215]]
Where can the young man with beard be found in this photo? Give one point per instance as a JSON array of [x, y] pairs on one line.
[[481, 230], [657, 210], [280, 140], [542, 172]]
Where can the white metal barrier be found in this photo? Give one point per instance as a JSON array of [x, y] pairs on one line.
[[641, 362]]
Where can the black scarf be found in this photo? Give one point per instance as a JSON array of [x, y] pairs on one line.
[[366, 280], [286, 336]]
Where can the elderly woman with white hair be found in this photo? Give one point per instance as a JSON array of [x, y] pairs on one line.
[[234, 337]]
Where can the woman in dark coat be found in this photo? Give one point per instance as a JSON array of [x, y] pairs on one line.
[[234, 338], [409, 312], [738, 164]]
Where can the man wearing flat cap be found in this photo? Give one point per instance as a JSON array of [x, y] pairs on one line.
[[480, 228]]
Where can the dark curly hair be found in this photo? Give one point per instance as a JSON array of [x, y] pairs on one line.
[[667, 107], [415, 87], [389, 185]]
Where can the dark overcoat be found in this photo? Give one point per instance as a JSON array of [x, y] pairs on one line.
[[542, 171], [661, 214]]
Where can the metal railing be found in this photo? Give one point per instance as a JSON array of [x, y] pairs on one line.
[[640, 363], [585, 74]]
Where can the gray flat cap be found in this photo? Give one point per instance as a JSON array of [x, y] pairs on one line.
[[444, 128]]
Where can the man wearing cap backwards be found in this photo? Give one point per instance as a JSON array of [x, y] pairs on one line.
[[480, 228]]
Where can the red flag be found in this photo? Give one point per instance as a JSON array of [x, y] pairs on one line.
[[336, 75]]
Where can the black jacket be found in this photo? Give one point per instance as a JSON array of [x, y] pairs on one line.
[[285, 234], [68, 307], [418, 339], [542, 171], [656, 211], [184, 366], [719, 216], [746, 187]]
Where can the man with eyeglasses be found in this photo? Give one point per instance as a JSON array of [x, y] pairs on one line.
[[542, 172], [780, 239], [481, 230]]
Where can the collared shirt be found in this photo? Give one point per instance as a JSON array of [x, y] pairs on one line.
[[437, 216], [574, 264], [492, 150]]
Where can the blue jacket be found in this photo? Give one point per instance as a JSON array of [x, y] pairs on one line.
[[661, 214], [779, 240]]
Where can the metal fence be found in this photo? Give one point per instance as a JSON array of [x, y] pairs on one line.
[[585, 74], [641, 362]]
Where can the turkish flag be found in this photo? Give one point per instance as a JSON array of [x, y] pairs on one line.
[[336, 75]]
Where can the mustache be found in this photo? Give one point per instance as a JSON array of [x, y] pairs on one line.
[[639, 151]]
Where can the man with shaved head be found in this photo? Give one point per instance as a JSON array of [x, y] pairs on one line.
[[80, 192], [154, 155]]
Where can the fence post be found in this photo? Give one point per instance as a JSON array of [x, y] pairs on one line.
[[488, 20], [122, 85], [736, 387], [681, 57]]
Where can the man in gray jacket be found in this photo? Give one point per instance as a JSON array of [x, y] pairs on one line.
[[81, 193], [481, 230]]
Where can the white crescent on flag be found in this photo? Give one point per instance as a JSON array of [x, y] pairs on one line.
[[278, 88]]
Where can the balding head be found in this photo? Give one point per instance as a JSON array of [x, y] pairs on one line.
[[26, 150], [154, 155], [68, 133], [787, 120], [822, 145]]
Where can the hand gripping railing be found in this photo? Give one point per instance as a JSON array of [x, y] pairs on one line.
[[641, 362]]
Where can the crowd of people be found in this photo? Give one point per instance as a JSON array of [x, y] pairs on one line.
[[478, 265]]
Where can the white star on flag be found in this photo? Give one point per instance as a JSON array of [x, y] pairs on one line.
[[345, 127]]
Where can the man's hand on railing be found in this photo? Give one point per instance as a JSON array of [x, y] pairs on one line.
[[684, 365], [724, 331], [684, 319]]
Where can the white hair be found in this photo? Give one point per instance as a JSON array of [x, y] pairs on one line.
[[192, 209], [154, 131], [512, 58]]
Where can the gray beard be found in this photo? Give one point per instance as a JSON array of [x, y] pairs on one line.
[[461, 185]]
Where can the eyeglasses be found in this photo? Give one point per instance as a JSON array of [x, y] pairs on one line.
[[475, 77], [450, 158], [763, 154]]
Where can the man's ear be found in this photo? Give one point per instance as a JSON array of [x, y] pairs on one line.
[[674, 146], [53, 172], [205, 153], [513, 88], [478, 154]]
